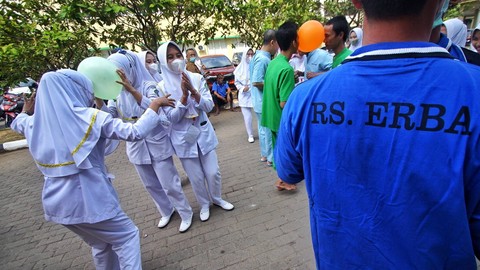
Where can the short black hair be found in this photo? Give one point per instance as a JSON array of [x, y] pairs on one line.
[[286, 34], [340, 25], [268, 36], [392, 9], [190, 49]]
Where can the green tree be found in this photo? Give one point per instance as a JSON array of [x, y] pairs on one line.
[[148, 23], [343, 7], [36, 37]]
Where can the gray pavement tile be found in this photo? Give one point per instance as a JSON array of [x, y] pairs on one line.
[[266, 230]]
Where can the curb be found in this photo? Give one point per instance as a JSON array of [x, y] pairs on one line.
[[10, 146]]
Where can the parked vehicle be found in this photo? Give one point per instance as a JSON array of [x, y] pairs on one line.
[[12, 103], [11, 106], [218, 64]]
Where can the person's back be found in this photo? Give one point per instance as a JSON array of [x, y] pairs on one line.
[[391, 168]]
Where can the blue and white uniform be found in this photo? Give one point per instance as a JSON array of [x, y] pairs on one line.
[[152, 157], [257, 68], [388, 146], [67, 141], [192, 134]]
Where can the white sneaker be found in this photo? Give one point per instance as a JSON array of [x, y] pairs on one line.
[[185, 225], [165, 220], [251, 139], [204, 214], [225, 205]]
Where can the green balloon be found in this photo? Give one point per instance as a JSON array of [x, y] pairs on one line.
[[103, 75]]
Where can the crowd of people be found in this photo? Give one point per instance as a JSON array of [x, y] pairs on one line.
[[381, 123]]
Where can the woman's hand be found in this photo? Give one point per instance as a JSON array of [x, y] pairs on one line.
[[99, 103], [166, 101], [125, 82], [246, 88], [29, 105]]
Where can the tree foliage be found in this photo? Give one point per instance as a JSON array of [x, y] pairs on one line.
[[38, 36]]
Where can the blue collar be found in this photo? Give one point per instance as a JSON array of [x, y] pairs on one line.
[[393, 50]]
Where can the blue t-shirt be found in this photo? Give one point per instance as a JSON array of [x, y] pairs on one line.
[[220, 88], [388, 145], [318, 61], [258, 67]]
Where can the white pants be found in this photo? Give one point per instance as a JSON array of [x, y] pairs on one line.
[[115, 242], [247, 118], [162, 182], [200, 168]]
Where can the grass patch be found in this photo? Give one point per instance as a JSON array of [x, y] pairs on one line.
[[8, 135]]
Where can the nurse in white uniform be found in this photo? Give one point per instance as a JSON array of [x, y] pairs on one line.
[[151, 64], [152, 157], [66, 138], [242, 82], [192, 133]]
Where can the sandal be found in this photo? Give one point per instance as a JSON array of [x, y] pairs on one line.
[[284, 186], [263, 159]]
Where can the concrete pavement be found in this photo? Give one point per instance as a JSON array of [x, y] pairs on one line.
[[266, 230]]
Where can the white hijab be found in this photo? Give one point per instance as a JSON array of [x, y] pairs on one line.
[[359, 33], [64, 128], [172, 80], [143, 56], [473, 32], [456, 31], [241, 72], [138, 76]]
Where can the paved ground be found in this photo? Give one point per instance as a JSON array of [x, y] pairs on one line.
[[267, 230]]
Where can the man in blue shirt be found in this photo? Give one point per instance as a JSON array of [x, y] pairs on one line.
[[318, 61], [392, 169], [221, 94], [258, 67]]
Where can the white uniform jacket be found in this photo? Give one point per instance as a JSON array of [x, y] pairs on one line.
[[206, 140], [157, 145]]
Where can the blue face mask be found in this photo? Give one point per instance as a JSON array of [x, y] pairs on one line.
[[192, 59], [438, 17]]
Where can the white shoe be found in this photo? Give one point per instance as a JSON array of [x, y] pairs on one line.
[[225, 205], [204, 214], [185, 225], [251, 139], [165, 220]]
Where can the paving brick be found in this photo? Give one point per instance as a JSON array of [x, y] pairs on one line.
[[266, 230]]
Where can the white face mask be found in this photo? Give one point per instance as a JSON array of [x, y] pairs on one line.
[[248, 59], [177, 65], [153, 67]]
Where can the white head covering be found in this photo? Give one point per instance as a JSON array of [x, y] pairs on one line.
[[138, 76], [142, 56], [241, 72], [359, 33], [473, 32], [173, 80], [456, 31], [64, 129]]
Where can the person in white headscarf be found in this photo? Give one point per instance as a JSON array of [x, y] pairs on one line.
[[66, 138], [242, 82], [151, 64], [152, 157], [356, 38], [192, 133], [475, 43], [456, 31]]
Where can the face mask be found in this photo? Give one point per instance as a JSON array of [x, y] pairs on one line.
[[438, 17], [354, 41], [192, 59], [248, 59], [153, 67], [177, 66]]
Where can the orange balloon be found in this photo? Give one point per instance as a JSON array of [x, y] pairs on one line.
[[310, 36]]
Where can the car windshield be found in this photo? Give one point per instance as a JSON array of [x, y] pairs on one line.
[[216, 62]]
